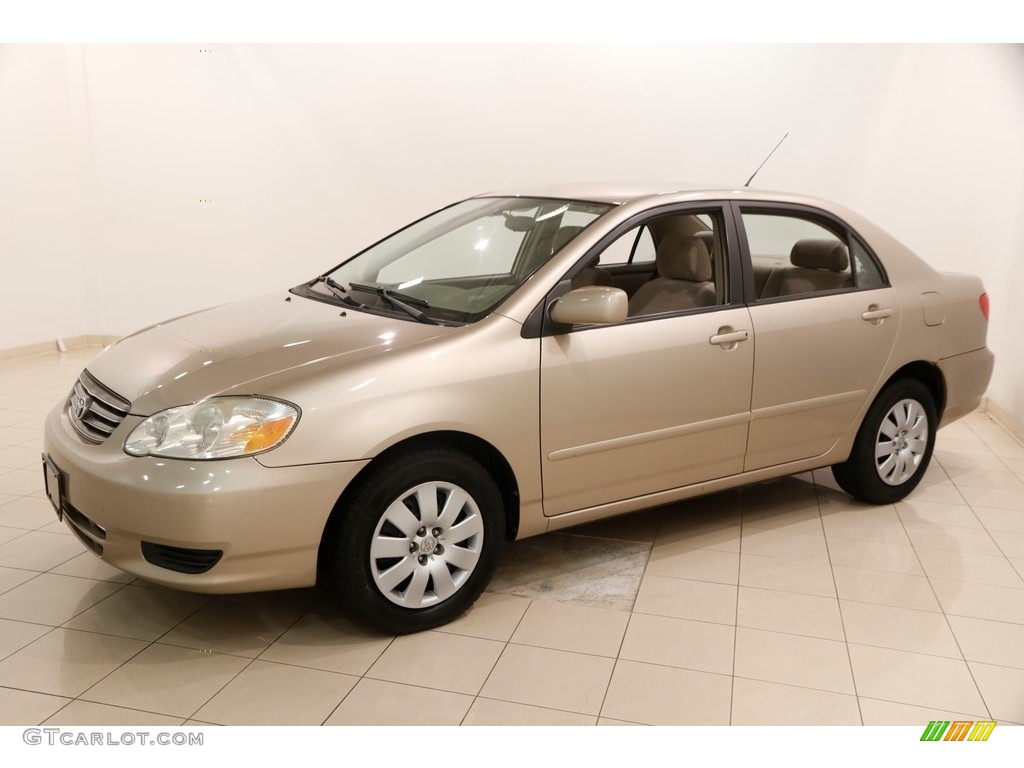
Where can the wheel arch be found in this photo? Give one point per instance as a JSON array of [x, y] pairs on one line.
[[928, 374], [475, 447]]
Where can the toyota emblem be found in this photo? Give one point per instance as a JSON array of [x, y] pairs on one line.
[[79, 405]]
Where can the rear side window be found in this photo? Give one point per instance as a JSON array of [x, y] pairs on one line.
[[794, 255]]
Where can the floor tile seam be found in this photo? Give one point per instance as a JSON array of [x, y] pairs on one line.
[[813, 561], [991, 621], [49, 630], [37, 529], [862, 539], [974, 679], [988, 486], [497, 660], [931, 655], [1002, 555], [649, 572], [945, 617], [1000, 546], [481, 697], [988, 528], [24, 532], [798, 686], [1008, 667], [912, 653], [118, 706], [976, 715], [983, 618], [294, 623], [663, 665], [62, 623], [249, 663], [418, 686], [52, 572], [18, 688], [5, 686], [120, 588], [589, 654], [790, 634], [962, 503], [683, 618], [899, 607], [977, 582], [213, 598], [787, 591], [735, 635], [1001, 428], [145, 646], [842, 619], [615, 539]]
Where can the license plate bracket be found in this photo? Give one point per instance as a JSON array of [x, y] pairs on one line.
[[55, 481]]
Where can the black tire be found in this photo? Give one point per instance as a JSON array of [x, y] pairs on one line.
[[432, 565], [901, 423]]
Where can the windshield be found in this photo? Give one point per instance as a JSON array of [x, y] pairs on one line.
[[458, 264]]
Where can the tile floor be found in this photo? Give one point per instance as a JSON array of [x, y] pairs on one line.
[[783, 603]]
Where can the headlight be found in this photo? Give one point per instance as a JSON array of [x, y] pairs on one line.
[[217, 428]]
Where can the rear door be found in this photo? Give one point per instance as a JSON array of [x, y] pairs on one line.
[[825, 321]]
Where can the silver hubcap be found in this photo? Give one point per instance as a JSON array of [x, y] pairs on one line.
[[426, 545], [901, 442]]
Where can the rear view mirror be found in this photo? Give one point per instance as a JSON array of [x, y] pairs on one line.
[[593, 305]]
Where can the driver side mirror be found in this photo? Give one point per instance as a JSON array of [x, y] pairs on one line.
[[592, 305]]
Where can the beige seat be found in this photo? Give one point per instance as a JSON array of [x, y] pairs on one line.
[[707, 237], [684, 278], [590, 274], [593, 275], [818, 265], [563, 236]]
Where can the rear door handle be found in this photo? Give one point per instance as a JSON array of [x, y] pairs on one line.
[[876, 314], [727, 338]]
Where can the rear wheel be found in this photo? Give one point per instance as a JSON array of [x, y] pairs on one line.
[[417, 541], [893, 446]]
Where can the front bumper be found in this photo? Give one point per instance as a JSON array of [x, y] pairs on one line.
[[265, 521]]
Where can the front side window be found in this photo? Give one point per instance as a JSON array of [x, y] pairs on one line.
[[635, 247], [459, 263], [670, 263]]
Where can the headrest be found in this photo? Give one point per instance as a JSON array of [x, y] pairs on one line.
[[707, 237], [563, 236], [681, 257], [820, 254]]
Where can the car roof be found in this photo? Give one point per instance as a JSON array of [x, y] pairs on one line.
[[618, 193]]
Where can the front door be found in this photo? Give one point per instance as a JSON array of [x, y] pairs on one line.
[[662, 400]]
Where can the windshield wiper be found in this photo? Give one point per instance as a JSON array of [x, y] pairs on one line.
[[398, 300], [336, 288]]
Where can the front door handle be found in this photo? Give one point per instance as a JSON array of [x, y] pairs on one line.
[[876, 315], [727, 338]]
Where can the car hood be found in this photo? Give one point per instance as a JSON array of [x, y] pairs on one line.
[[229, 349]]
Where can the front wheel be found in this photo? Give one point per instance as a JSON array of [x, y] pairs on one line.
[[417, 541], [893, 446]]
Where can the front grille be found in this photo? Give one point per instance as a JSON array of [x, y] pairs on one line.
[[94, 410], [180, 559]]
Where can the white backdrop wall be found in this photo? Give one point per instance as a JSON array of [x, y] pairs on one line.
[[141, 182]]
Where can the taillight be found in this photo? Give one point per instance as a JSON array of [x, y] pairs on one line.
[[983, 303]]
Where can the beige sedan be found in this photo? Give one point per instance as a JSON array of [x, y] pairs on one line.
[[512, 364]]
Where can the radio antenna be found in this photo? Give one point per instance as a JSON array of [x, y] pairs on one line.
[[765, 160]]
